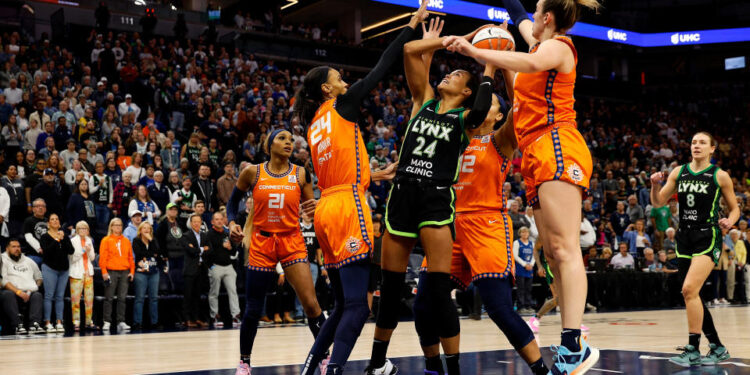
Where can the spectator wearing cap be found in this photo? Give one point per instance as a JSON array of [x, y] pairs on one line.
[[100, 95], [20, 279], [118, 267], [136, 218], [128, 106], [158, 191], [39, 115], [51, 191]]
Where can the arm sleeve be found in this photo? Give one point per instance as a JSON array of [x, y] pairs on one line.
[[32, 241], [482, 104], [233, 204], [348, 104], [516, 11], [93, 188]]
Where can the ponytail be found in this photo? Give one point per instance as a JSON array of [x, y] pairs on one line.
[[309, 97], [567, 12]]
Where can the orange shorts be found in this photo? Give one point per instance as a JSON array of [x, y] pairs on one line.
[[559, 153], [482, 249], [343, 225], [267, 249]]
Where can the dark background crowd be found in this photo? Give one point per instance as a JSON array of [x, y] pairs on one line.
[[156, 130]]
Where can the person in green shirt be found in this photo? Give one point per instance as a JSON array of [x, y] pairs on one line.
[[661, 219]]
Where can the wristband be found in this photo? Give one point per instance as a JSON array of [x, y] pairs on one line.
[[18, 292]]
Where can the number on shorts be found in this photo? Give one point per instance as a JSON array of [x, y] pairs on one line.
[[467, 163], [276, 201], [690, 200], [429, 150]]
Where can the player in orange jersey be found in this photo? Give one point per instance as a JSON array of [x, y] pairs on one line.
[[343, 221], [556, 163], [272, 235]]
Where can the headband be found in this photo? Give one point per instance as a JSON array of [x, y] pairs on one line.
[[272, 136], [503, 104]]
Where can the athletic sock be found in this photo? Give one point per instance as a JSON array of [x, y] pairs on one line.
[[451, 363], [434, 364], [245, 359], [714, 339], [569, 339], [379, 349], [538, 367], [694, 339], [315, 324]]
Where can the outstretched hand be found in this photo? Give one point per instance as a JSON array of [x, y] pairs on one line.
[[434, 29], [419, 16]]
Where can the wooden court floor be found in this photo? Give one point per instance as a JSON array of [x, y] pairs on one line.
[[150, 353]]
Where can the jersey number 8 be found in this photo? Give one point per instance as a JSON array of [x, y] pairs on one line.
[[276, 201], [690, 198]]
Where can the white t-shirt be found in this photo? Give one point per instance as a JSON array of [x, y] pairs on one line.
[[619, 262], [22, 274]]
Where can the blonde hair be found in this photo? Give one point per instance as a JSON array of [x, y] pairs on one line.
[[567, 12], [143, 225], [82, 225], [523, 229], [109, 229], [607, 250]]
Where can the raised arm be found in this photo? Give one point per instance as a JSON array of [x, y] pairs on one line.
[[483, 100], [349, 103], [521, 19], [417, 61], [552, 54], [660, 196]]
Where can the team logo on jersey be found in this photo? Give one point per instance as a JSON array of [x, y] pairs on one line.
[[353, 244], [486, 139], [575, 173], [292, 179]]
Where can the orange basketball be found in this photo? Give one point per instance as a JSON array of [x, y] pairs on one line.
[[494, 38]]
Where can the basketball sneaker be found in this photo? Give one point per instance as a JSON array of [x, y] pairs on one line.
[[243, 369], [566, 362], [690, 357], [20, 330], [534, 324], [387, 369], [715, 355]]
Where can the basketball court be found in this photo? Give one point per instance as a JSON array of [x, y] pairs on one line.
[[636, 342]]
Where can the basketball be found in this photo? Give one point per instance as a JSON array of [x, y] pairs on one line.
[[494, 38]]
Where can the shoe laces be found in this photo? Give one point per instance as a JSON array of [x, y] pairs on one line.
[[557, 357]]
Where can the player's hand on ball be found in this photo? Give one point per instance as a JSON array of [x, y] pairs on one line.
[[309, 206], [470, 36], [460, 45], [434, 29], [724, 223]]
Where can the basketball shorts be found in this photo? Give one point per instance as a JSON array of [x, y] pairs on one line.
[[482, 249], [694, 242], [559, 154], [412, 206], [267, 249], [343, 225]]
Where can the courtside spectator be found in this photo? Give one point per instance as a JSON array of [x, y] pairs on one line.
[[118, 267], [82, 276], [195, 244], [623, 259], [56, 248], [20, 278], [149, 259], [220, 259]]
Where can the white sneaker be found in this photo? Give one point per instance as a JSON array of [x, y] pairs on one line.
[[123, 327], [387, 369], [49, 328], [20, 330], [59, 328], [35, 328], [106, 326], [724, 301]]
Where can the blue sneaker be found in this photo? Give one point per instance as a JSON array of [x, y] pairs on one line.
[[573, 363]]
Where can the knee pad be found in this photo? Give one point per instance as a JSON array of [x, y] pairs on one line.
[[423, 322], [390, 299], [496, 296], [439, 287]]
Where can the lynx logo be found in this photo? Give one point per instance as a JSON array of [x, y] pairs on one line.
[[678, 38], [497, 14], [699, 187], [435, 4], [612, 34]]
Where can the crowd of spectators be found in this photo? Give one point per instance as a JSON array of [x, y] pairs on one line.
[[132, 146]]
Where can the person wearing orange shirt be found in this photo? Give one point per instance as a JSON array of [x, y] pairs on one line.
[[343, 222], [556, 163], [272, 235], [118, 268]]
